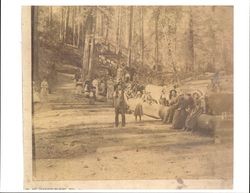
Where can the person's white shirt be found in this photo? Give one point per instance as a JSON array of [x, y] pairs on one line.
[[95, 83]]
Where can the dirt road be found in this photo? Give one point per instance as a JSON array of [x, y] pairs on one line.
[[73, 146]]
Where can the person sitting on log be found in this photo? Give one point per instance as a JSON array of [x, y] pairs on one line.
[[195, 111], [180, 113], [173, 104]]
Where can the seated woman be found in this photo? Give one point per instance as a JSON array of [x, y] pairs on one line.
[[195, 111], [173, 105], [180, 114]]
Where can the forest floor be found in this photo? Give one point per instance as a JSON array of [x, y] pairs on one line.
[[78, 141]]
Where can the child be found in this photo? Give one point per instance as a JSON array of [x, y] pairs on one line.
[[138, 109]]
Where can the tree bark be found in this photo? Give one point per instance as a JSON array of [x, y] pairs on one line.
[[78, 28], [107, 31], [191, 42], [50, 15], [61, 25], [130, 36], [118, 31], [92, 43], [35, 45], [142, 37], [156, 38], [66, 24], [73, 26]]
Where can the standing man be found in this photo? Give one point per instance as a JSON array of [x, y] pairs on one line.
[[120, 104]]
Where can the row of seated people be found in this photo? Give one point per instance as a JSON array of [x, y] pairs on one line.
[[183, 111]]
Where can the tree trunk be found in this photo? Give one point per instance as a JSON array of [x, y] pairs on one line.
[[107, 31], [87, 41], [102, 25], [73, 26], [35, 45], [191, 43], [156, 39], [66, 24], [142, 37], [35, 71], [130, 36], [61, 25], [78, 28], [92, 43], [213, 39], [118, 31], [50, 15]]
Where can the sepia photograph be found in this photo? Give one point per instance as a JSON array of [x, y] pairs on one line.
[[129, 93]]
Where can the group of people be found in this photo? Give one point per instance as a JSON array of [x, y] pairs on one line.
[[179, 109], [183, 110], [95, 88], [40, 93]]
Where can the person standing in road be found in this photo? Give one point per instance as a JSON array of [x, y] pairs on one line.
[[120, 104]]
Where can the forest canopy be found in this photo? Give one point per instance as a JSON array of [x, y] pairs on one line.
[[163, 41]]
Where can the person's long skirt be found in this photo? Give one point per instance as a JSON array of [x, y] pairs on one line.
[[168, 117], [179, 119], [191, 121], [138, 110]]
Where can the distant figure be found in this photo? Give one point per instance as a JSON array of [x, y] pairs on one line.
[[87, 87], [127, 77], [79, 88], [44, 90], [110, 88], [120, 73], [102, 88], [215, 82], [95, 83], [120, 104], [36, 97], [78, 76], [173, 105]]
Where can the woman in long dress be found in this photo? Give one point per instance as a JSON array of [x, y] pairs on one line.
[[180, 114], [138, 109], [195, 111]]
